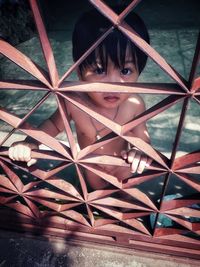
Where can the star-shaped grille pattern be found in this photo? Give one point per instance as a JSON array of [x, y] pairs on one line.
[[122, 213]]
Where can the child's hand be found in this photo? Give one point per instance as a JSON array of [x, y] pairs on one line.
[[21, 151], [138, 160]]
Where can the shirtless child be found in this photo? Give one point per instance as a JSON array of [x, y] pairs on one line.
[[116, 59]]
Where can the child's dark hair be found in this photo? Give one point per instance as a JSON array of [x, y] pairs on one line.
[[92, 24]]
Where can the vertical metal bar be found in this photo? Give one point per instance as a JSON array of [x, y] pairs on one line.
[[65, 118], [195, 62], [175, 146], [179, 130], [46, 46]]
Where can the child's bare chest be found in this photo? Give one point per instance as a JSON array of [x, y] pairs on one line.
[[89, 131]]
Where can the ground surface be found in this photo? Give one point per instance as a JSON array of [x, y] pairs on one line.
[[20, 251]]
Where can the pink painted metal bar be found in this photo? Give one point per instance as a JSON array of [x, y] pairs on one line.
[[46, 46], [195, 62], [22, 85], [141, 88], [23, 61]]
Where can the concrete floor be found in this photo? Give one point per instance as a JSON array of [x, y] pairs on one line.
[[20, 251]]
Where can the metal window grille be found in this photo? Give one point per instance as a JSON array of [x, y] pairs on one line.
[[48, 204]]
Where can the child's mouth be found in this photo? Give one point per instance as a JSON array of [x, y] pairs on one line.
[[111, 98]]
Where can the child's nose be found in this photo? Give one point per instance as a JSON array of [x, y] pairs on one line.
[[114, 77]]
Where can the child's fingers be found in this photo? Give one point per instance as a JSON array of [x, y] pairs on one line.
[[124, 154], [20, 153], [142, 164], [31, 162], [16, 152], [27, 154], [149, 161], [10, 153], [135, 163], [131, 156]]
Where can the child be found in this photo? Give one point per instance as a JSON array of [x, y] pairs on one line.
[[116, 59]]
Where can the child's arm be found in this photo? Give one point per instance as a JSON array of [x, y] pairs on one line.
[[21, 151], [137, 159]]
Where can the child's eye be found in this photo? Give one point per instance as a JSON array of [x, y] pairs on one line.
[[126, 71], [99, 71]]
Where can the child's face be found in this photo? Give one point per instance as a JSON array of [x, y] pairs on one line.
[[127, 73]]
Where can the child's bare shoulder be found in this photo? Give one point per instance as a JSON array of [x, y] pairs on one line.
[[135, 102], [77, 97], [129, 109]]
